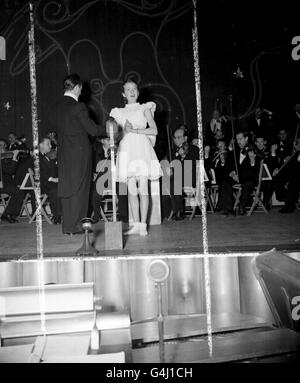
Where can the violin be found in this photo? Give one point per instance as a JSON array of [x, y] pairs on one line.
[[52, 155], [183, 148], [296, 150], [222, 154]]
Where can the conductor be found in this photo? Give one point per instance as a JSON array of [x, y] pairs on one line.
[[74, 155]]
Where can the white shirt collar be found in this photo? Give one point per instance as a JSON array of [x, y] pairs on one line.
[[70, 94], [242, 157]]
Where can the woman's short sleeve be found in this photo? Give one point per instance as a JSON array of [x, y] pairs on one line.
[[115, 113], [150, 105]]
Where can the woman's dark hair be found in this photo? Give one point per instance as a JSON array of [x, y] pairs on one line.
[[128, 80], [71, 81]]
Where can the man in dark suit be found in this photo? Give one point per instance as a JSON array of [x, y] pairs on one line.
[[247, 165], [184, 164], [9, 168], [268, 155], [294, 123], [49, 179], [101, 168], [292, 175], [74, 155], [282, 150], [258, 124], [221, 163]]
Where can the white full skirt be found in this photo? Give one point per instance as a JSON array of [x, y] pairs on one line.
[[136, 157]]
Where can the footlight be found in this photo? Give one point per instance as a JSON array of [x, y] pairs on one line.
[[87, 248]]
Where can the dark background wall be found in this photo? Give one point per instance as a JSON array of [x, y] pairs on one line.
[[105, 41]]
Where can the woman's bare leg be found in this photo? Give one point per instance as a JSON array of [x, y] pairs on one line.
[[144, 198], [133, 199]]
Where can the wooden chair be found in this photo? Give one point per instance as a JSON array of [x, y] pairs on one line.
[[214, 189], [257, 201], [237, 192], [28, 184], [105, 211], [193, 198], [4, 200]]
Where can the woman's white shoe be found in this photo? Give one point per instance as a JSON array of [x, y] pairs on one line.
[[143, 229], [135, 229]]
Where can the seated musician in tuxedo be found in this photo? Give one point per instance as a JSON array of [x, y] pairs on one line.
[[294, 122], [282, 150], [221, 163], [102, 157], [184, 162], [258, 123], [52, 135], [247, 171], [48, 179], [292, 171], [267, 154], [15, 144], [9, 169]]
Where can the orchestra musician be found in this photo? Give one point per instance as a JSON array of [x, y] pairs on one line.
[[281, 150], [185, 153], [292, 171], [9, 164], [271, 161], [102, 154], [245, 169], [221, 163], [17, 144], [258, 123]]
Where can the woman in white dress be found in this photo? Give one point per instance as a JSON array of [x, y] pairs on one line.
[[136, 159]]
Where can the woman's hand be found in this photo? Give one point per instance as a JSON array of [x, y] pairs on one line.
[[128, 127]]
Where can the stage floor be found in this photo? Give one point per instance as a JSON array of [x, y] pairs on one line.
[[257, 233]]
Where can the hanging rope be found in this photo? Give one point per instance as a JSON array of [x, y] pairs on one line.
[[37, 189], [201, 173]]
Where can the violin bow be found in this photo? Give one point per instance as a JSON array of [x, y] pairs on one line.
[[287, 161], [169, 143], [233, 139]]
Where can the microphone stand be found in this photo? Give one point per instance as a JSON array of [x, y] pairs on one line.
[[160, 321]]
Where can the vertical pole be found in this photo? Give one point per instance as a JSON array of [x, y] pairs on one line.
[[35, 135], [200, 180]]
